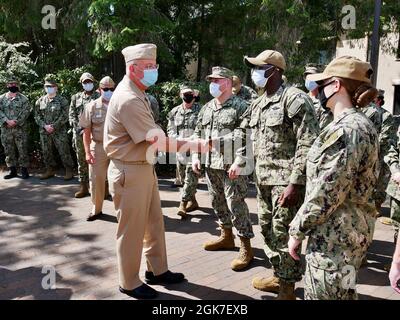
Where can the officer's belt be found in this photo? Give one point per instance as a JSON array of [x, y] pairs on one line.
[[132, 163]]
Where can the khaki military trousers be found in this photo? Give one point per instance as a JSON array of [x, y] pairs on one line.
[[134, 188], [98, 176]]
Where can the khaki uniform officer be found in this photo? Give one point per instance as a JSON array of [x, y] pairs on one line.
[[133, 181], [92, 120]]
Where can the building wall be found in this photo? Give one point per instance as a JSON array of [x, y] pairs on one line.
[[388, 66]]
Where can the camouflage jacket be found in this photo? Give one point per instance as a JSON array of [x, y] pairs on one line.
[[342, 170], [182, 122], [384, 124], [324, 117], [392, 159], [155, 108], [220, 123], [248, 94], [78, 103], [283, 128], [54, 112], [14, 109]]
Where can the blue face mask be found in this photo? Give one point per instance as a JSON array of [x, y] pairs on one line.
[[150, 77], [88, 86], [107, 95], [50, 90], [311, 85]]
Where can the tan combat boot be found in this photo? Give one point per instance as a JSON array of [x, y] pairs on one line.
[[68, 174], [286, 291], [48, 174], [270, 284], [182, 209], [83, 190], [192, 205], [245, 255], [224, 242]]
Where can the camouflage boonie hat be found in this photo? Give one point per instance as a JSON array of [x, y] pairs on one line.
[[346, 67], [86, 76], [185, 88], [220, 73], [50, 80], [310, 70], [12, 79]]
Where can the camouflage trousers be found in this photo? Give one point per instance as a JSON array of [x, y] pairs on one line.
[[59, 140], [395, 215], [380, 191], [13, 140], [228, 201], [190, 184], [180, 172], [274, 222], [320, 284], [83, 169]]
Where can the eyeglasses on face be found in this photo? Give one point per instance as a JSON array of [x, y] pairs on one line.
[[108, 89], [149, 66]]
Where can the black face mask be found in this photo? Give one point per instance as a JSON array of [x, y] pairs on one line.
[[13, 89], [188, 98], [323, 99]]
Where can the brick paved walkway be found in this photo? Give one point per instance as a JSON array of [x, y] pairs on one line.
[[41, 224]]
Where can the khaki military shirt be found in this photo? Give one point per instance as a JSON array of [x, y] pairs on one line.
[[78, 102], [128, 121], [220, 123], [93, 117], [342, 170], [51, 111], [17, 108], [283, 128]]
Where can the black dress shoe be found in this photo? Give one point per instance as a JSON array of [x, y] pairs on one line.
[[93, 217], [142, 292], [165, 278]]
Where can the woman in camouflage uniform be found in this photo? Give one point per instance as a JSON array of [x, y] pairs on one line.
[[342, 170]]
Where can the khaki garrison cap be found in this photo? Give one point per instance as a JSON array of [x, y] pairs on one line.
[[86, 76], [345, 67], [267, 57], [107, 81], [144, 51], [220, 73]]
